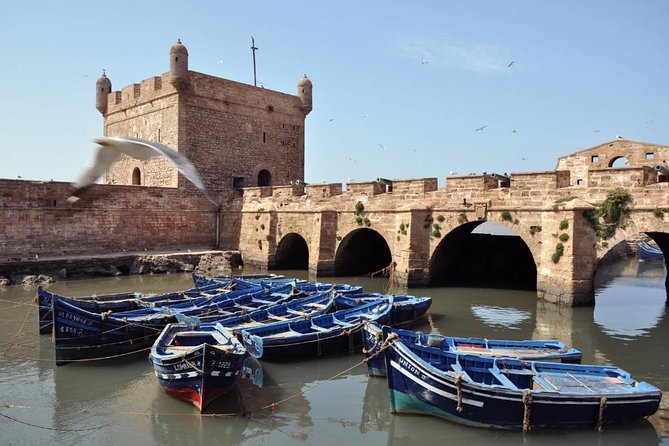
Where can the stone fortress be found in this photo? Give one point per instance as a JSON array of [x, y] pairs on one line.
[[247, 143]]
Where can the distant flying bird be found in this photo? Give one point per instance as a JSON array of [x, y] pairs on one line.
[[331, 119], [596, 131], [619, 137], [365, 115], [511, 63], [19, 176], [111, 148], [381, 145], [514, 131], [424, 61], [480, 128]]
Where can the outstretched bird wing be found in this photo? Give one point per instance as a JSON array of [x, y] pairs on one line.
[[112, 147]]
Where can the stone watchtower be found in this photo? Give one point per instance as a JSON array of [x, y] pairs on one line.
[[237, 135]]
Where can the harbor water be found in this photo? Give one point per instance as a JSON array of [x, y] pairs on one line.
[[327, 400]]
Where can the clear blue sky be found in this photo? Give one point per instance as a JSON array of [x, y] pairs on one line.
[[399, 87]]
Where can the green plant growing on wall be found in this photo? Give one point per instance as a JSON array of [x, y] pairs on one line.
[[564, 237], [441, 218], [534, 230], [403, 229], [559, 251], [564, 224], [262, 226], [367, 222], [610, 213], [260, 244], [257, 216], [268, 238], [560, 202], [516, 221], [436, 233], [338, 238], [506, 216], [358, 220], [605, 244], [658, 213], [359, 207], [462, 218]]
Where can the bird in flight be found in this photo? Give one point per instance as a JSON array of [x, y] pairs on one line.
[[331, 119], [511, 63], [381, 145], [423, 62], [112, 147], [365, 115], [480, 128], [514, 131]]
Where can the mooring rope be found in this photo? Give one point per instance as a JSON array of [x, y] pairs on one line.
[[52, 428], [458, 388], [600, 417], [527, 403]]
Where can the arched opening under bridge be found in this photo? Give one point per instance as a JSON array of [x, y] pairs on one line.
[[363, 251], [488, 256], [292, 252]]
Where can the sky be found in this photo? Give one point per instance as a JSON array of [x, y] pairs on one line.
[[400, 89]]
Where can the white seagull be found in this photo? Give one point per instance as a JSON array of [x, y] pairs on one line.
[[112, 147]]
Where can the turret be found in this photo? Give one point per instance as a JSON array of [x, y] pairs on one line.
[[304, 87], [178, 65], [103, 87]]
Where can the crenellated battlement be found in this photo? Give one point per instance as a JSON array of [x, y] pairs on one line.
[[135, 94]]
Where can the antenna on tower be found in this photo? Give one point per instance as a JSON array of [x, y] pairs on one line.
[[253, 49]]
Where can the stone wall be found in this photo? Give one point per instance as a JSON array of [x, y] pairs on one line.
[[37, 220]]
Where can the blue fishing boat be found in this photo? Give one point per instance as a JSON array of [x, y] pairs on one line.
[[548, 350], [84, 335], [511, 394], [299, 308], [201, 281], [406, 307], [324, 334], [646, 251], [129, 301], [197, 364]]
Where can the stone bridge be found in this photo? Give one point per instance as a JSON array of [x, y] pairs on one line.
[[426, 231]]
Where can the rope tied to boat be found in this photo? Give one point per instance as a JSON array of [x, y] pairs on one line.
[[600, 417], [527, 408], [392, 337], [105, 314], [458, 387]]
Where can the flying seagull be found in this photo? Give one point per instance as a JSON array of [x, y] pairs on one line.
[[111, 148], [511, 63], [480, 128]]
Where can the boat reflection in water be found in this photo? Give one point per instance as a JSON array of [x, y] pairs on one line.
[[497, 316], [409, 430]]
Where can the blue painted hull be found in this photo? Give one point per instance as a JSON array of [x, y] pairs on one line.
[[644, 252], [83, 335], [416, 386], [201, 374], [548, 350], [406, 308], [326, 334]]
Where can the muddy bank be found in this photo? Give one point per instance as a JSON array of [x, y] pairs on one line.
[[47, 270]]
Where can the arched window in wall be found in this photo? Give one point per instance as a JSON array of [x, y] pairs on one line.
[[264, 178], [136, 176]]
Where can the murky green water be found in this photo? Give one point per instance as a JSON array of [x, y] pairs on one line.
[[326, 401]]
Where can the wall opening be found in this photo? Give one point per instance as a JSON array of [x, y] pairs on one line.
[[363, 251], [493, 256], [136, 176], [619, 161], [264, 178], [292, 252]]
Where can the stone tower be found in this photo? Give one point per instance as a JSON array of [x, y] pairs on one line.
[[103, 87], [178, 65], [237, 135], [304, 88]]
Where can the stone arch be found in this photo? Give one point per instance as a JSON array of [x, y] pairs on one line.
[[464, 258], [619, 161], [264, 178], [362, 251], [292, 252], [136, 177]]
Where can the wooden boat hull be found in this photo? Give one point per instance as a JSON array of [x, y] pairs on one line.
[[406, 308], [201, 376], [415, 386], [548, 350], [83, 335], [326, 334]]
